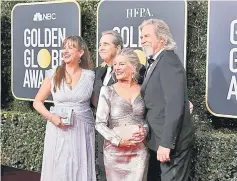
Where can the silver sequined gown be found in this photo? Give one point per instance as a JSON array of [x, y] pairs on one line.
[[69, 155], [125, 164]]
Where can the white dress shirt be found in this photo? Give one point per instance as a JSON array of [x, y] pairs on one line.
[[155, 57], [108, 75]]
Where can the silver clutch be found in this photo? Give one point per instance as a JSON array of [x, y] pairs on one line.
[[65, 112], [126, 132]]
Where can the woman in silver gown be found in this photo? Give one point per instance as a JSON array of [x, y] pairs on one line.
[[120, 120]]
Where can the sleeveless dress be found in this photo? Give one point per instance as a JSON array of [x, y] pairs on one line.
[[69, 155], [125, 164]]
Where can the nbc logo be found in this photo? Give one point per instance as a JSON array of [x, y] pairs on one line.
[[44, 16], [38, 17]]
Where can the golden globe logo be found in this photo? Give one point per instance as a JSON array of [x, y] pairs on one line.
[[128, 40], [44, 58], [233, 61], [141, 56], [49, 41]]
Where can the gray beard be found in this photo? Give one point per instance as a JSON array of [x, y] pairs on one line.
[[147, 50]]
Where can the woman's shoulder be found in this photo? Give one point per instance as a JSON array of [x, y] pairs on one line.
[[51, 72], [89, 73], [106, 90]]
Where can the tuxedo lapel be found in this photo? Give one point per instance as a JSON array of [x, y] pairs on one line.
[[150, 72], [102, 73], [111, 81]]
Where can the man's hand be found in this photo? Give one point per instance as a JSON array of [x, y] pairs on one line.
[[163, 154], [190, 107], [139, 135]]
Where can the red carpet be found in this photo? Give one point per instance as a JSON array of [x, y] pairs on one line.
[[14, 174]]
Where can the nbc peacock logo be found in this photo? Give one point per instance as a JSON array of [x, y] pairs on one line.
[[44, 16], [38, 17]]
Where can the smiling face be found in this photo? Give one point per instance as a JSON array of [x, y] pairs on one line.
[[151, 44], [71, 52], [122, 68], [107, 49]]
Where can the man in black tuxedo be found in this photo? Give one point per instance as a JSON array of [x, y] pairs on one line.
[[110, 45], [165, 93]]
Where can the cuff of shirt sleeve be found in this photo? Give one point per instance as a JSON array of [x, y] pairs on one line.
[[116, 140], [145, 126], [167, 145]]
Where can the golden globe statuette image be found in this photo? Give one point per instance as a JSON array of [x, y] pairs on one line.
[[141, 56]]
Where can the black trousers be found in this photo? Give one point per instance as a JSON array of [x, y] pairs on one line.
[[100, 166], [178, 169]]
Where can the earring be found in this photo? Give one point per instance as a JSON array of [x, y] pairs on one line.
[[134, 78], [113, 76]]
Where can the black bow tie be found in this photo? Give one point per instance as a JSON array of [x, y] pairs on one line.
[[150, 60]]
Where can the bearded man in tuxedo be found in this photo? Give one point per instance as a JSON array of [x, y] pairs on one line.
[[164, 90]]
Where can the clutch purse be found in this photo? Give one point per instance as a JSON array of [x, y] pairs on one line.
[[126, 132], [65, 112]]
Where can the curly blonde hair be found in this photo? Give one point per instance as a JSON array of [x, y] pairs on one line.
[[133, 59]]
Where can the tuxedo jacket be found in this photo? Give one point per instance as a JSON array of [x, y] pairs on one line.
[[100, 73], [164, 90]]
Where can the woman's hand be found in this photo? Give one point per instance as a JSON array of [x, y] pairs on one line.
[[139, 135], [126, 143], [56, 120]]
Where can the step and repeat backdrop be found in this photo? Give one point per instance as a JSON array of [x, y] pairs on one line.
[[125, 17], [38, 30], [221, 78]]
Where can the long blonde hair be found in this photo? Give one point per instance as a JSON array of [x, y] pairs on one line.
[[85, 60]]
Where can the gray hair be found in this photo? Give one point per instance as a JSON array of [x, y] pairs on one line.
[[162, 30], [133, 59], [118, 41]]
